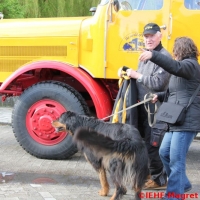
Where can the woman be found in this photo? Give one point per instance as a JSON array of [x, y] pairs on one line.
[[184, 81]]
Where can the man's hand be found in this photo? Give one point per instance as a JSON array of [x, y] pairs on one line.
[[145, 55], [133, 74]]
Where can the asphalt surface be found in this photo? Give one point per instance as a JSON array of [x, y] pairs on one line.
[[24, 177]]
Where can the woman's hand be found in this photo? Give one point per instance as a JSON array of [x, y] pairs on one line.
[[155, 98], [145, 55]]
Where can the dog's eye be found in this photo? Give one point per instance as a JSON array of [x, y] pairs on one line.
[[60, 128]]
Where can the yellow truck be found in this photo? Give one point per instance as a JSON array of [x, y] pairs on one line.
[[59, 64]]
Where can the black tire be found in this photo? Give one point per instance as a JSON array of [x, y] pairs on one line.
[[50, 91]]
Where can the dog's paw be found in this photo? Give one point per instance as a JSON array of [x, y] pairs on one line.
[[124, 190], [113, 197], [103, 192]]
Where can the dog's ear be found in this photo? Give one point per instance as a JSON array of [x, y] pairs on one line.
[[68, 113], [63, 117], [69, 119]]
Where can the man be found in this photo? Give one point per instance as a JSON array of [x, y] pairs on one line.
[[150, 78]]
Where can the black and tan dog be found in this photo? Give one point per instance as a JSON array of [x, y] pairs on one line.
[[117, 148]]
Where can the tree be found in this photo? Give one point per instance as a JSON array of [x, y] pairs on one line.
[[63, 8], [46, 8], [31, 8], [11, 8]]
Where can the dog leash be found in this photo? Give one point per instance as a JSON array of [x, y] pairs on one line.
[[147, 108], [135, 105]]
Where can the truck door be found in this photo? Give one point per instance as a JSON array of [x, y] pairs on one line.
[[125, 31], [185, 20]]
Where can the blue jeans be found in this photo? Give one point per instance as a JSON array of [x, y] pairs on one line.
[[173, 151]]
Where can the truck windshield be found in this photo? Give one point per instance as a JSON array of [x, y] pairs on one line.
[[192, 4], [103, 2], [137, 5], [141, 4]]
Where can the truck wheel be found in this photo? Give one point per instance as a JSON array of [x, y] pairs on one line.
[[33, 113]]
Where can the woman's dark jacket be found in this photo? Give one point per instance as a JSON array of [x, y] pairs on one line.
[[184, 81]]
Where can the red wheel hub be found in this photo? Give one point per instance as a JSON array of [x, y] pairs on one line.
[[39, 119]]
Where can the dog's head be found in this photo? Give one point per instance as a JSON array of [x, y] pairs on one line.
[[64, 122], [60, 127]]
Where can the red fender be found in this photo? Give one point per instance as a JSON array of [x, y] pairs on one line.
[[98, 93]]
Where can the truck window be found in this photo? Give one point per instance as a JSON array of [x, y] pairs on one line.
[[103, 2], [141, 4], [192, 4]]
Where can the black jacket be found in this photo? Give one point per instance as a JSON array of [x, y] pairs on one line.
[[183, 83], [126, 97]]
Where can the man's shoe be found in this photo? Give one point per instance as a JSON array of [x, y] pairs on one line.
[[152, 185]]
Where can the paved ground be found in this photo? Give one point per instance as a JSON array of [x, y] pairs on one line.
[[24, 177], [5, 115]]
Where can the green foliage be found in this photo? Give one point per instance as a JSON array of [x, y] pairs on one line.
[[46, 8], [11, 8], [63, 8], [31, 8]]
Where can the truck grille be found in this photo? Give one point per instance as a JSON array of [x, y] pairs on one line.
[[33, 51], [13, 57]]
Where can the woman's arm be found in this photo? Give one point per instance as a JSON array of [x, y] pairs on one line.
[[185, 68]]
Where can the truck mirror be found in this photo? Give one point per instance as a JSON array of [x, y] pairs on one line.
[[1, 15], [116, 5], [93, 10]]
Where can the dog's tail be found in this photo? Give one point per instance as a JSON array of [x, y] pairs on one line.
[[134, 150]]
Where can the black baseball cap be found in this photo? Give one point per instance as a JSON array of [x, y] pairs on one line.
[[151, 28]]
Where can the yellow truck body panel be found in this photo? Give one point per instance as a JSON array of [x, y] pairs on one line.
[[99, 44]]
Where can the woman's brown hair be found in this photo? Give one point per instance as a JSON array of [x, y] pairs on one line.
[[184, 47]]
